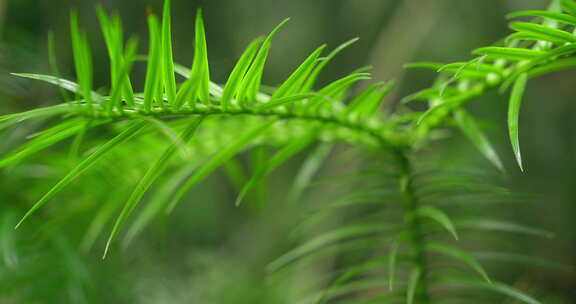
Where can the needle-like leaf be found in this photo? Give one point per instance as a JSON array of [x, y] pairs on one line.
[[128, 133], [151, 175], [201, 68], [54, 65], [514, 54], [325, 239], [8, 248], [79, 138], [218, 159], [502, 226], [367, 103], [169, 79], [564, 18], [543, 31], [309, 85], [309, 169], [470, 128], [357, 102], [159, 199], [113, 36], [286, 100], [392, 262], [82, 57], [440, 217], [250, 85], [12, 119], [119, 88], [100, 220], [294, 82], [60, 82], [335, 89], [197, 86], [215, 89], [172, 135], [557, 65], [460, 255], [549, 55], [497, 287], [523, 259], [415, 277], [238, 73], [347, 276], [513, 115], [278, 159], [47, 139], [153, 86], [569, 6]]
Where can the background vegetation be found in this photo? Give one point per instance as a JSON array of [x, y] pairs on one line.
[[213, 252]]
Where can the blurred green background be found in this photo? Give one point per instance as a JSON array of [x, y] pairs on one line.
[[213, 252]]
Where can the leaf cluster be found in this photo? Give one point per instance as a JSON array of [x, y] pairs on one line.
[[190, 119]]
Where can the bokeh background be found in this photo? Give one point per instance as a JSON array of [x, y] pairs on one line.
[[199, 254]]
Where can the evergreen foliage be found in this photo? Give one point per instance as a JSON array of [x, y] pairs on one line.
[[400, 229]]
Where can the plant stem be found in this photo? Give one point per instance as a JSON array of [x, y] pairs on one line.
[[379, 133], [413, 227]]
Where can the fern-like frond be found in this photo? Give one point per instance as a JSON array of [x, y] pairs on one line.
[[395, 230], [541, 45]]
